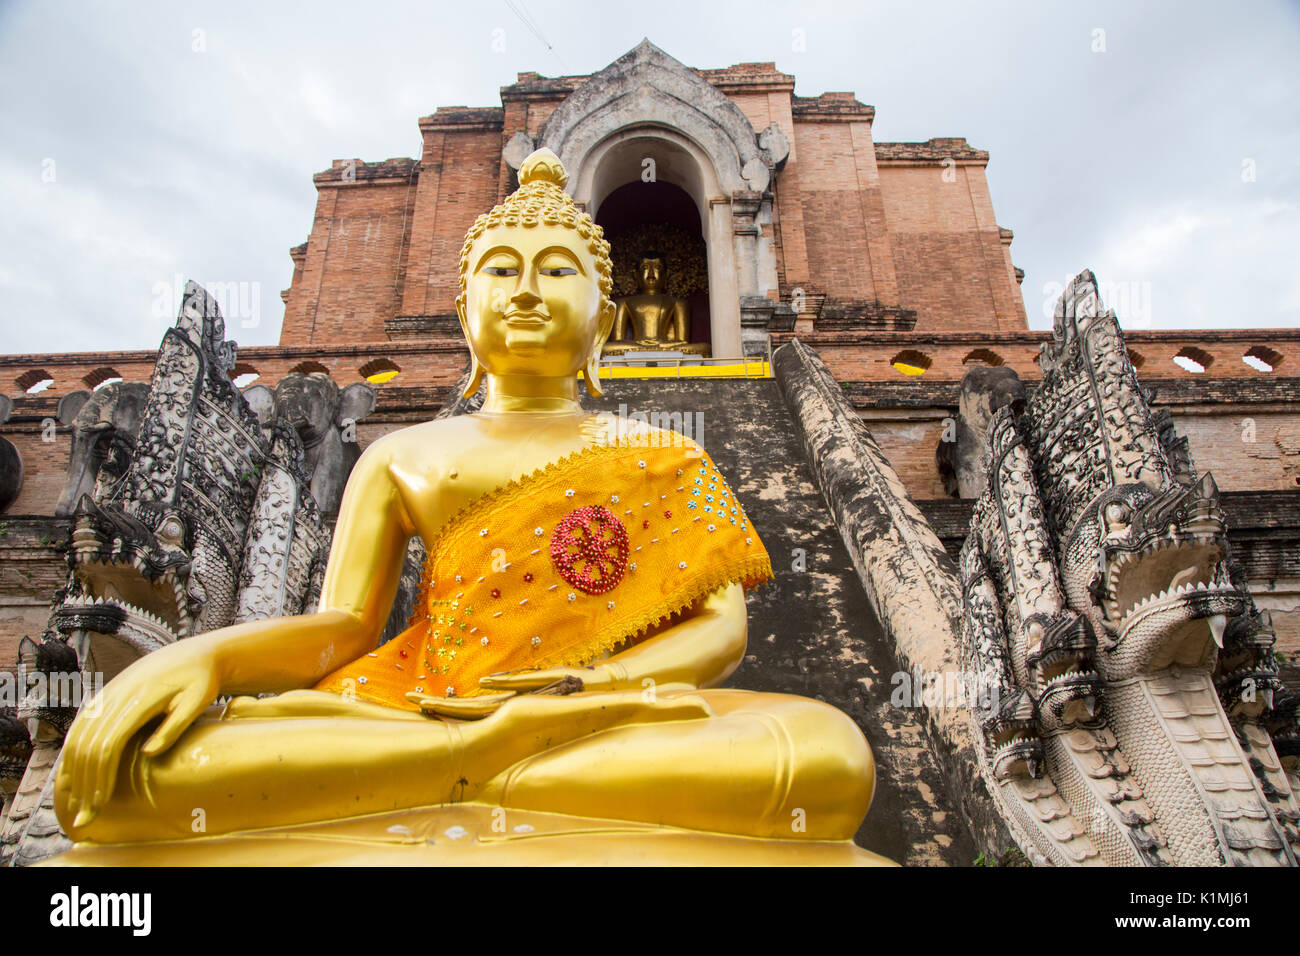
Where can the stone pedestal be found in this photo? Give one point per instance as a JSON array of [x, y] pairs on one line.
[[689, 354]]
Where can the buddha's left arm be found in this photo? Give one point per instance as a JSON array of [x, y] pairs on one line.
[[682, 320], [620, 323], [701, 649]]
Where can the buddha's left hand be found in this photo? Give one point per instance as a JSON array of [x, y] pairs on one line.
[[568, 680], [553, 680], [606, 676]]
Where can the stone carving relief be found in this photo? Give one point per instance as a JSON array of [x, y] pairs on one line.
[[646, 86], [961, 453], [1129, 699], [286, 543], [186, 517], [99, 421], [325, 418]]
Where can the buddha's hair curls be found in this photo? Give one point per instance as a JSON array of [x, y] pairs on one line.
[[541, 200]]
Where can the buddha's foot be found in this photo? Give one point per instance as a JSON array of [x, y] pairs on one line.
[[533, 723], [589, 712], [529, 725]]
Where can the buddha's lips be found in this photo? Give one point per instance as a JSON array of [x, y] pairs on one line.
[[526, 318]]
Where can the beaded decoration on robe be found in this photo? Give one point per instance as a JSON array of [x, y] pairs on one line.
[[563, 566]]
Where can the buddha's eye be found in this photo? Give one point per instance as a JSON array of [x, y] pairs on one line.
[[501, 271], [559, 271]]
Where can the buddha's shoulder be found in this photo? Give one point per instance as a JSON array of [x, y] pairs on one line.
[[427, 440], [633, 431]]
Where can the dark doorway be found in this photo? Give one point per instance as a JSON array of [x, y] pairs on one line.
[[640, 217]]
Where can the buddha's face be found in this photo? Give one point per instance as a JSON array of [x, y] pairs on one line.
[[651, 273], [532, 301]]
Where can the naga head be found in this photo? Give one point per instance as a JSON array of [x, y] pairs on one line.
[[1247, 677], [1247, 674], [1151, 569], [1011, 738], [1062, 669], [139, 561], [51, 672]]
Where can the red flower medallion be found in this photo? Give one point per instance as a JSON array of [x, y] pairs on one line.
[[589, 549]]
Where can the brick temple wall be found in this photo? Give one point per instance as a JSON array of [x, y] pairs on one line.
[[459, 174], [350, 280], [835, 185], [952, 265], [32, 567], [1263, 458], [1221, 410], [853, 356], [857, 221]]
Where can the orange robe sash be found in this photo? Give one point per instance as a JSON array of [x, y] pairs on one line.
[[562, 566]]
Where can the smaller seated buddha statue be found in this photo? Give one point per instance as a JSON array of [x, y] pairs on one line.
[[652, 319]]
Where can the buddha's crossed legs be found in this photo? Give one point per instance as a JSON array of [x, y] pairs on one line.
[[726, 761]]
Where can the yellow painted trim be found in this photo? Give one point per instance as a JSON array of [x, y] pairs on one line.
[[907, 369], [738, 370]]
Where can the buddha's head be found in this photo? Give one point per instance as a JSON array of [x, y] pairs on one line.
[[650, 272], [535, 282]]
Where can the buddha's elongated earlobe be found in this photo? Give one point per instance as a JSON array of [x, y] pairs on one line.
[[476, 372], [592, 374], [592, 371]]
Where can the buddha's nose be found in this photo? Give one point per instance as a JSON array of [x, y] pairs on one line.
[[527, 293], [525, 298]]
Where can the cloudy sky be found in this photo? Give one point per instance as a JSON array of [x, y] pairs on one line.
[[1156, 143]]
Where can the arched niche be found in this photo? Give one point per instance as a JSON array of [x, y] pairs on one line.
[[646, 86], [648, 106], [622, 158], [658, 216]]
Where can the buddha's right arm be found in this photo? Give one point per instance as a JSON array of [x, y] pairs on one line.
[[361, 581], [178, 682], [278, 654]]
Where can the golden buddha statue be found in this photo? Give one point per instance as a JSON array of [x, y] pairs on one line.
[[652, 319], [584, 587]]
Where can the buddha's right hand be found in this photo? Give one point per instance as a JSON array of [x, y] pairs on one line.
[[176, 683]]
